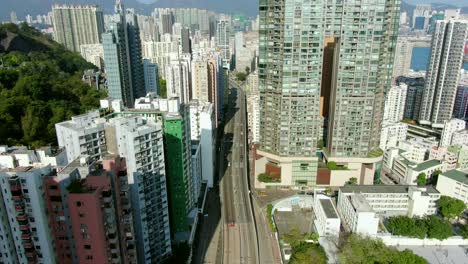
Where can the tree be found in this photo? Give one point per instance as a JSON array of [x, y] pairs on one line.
[[450, 207], [357, 250], [247, 70], [438, 228], [305, 253], [406, 226], [421, 180], [352, 181], [241, 76], [328, 191], [40, 85]]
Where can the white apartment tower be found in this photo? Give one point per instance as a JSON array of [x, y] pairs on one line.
[[450, 127], [395, 104], [443, 73], [82, 136], [178, 80], [202, 125], [140, 142], [29, 234]]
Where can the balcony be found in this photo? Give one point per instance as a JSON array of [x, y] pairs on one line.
[[15, 187], [26, 236], [19, 209], [31, 254], [22, 217], [23, 227], [17, 197], [28, 244]]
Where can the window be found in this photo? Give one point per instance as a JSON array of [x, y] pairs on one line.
[[82, 215], [87, 246], [79, 203], [89, 257]]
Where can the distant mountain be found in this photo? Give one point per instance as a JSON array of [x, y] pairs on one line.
[[35, 7]]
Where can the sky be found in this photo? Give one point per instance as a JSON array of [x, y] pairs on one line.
[[249, 7], [452, 2]]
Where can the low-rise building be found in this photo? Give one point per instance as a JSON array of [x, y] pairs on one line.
[[360, 205], [406, 172], [391, 134], [454, 183], [327, 222], [460, 137]]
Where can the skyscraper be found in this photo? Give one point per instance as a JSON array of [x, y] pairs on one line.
[[460, 109], [323, 70], [223, 36], [186, 41], [75, 25], [122, 56], [395, 104], [443, 73], [151, 77]]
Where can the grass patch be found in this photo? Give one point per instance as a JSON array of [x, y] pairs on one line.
[[270, 218], [264, 177]]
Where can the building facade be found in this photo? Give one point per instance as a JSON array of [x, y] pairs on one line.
[[320, 83], [443, 74], [76, 25], [123, 57]]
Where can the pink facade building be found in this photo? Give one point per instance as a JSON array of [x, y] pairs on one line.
[[91, 216]]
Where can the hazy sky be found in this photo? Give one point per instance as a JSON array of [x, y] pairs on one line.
[[452, 2]]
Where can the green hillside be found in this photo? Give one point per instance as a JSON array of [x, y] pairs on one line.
[[40, 85]]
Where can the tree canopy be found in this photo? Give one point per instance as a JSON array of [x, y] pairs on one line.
[[40, 88], [430, 227], [421, 180], [450, 207], [358, 250]]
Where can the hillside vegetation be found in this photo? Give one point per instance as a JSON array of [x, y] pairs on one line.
[[40, 85]]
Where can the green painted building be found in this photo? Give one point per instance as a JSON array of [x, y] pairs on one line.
[[180, 184]]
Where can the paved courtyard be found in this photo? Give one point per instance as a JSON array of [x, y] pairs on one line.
[[440, 254]]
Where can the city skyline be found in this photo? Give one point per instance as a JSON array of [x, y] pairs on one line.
[[187, 135]]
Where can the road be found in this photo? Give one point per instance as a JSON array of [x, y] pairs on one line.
[[239, 234]]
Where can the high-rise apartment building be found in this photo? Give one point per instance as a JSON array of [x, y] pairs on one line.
[[202, 127], [123, 59], [185, 40], [403, 53], [140, 142], [178, 80], [223, 38], [83, 135], [395, 104], [151, 74], [323, 69], [177, 148], [75, 25], [161, 52], [200, 81], [443, 74], [450, 127], [460, 109], [26, 235], [97, 215]]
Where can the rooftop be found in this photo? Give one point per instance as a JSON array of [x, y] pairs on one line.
[[457, 175], [329, 209], [426, 165], [360, 203], [382, 189]]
